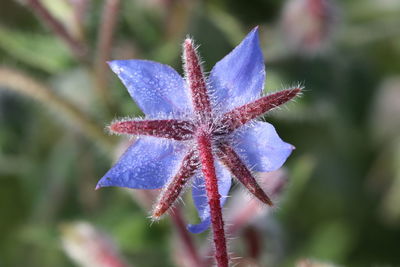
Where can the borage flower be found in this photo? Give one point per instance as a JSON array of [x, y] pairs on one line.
[[199, 129]]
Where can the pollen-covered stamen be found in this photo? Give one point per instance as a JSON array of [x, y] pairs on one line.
[[243, 114], [196, 80], [231, 160], [172, 191], [172, 129]]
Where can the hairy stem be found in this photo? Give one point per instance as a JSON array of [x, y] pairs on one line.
[[211, 184]]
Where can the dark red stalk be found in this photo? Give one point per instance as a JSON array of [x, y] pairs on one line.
[[185, 237], [171, 129], [244, 216], [211, 184], [254, 242], [172, 191], [196, 80], [77, 48], [243, 114], [231, 160]]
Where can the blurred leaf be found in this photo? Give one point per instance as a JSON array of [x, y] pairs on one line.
[[76, 86], [299, 177], [332, 241], [41, 51]]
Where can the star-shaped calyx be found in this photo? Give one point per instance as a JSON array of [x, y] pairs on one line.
[[202, 129]]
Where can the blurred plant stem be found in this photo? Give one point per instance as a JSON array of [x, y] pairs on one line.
[[248, 209], [187, 241], [146, 198], [25, 85], [80, 8], [105, 37], [78, 49]]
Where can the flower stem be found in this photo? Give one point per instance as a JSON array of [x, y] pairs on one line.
[[211, 183]]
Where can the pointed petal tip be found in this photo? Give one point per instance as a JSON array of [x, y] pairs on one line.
[[255, 29], [115, 65], [98, 186], [112, 62], [253, 33]]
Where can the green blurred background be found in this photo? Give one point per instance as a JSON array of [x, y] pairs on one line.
[[342, 202]]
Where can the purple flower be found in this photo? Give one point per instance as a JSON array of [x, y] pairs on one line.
[[195, 122]]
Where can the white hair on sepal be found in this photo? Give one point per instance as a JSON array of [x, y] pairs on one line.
[[275, 198], [179, 199], [108, 130], [284, 105], [195, 48]]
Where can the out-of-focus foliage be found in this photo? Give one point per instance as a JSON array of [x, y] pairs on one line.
[[342, 201]]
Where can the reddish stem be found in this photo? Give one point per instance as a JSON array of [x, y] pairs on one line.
[[172, 191], [185, 237], [254, 242], [211, 184], [245, 215], [77, 48], [196, 80], [172, 129], [243, 114]]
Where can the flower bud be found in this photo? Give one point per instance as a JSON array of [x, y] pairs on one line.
[[88, 247], [307, 25]]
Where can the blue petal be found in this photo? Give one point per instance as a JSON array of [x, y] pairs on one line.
[[157, 88], [201, 201], [261, 148], [147, 164], [239, 77]]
